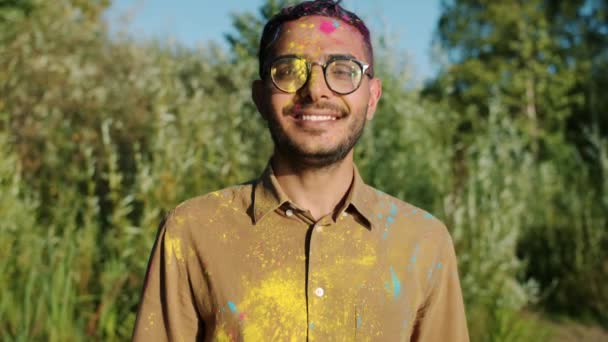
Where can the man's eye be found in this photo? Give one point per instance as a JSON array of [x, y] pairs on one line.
[[285, 72], [291, 69], [341, 71]]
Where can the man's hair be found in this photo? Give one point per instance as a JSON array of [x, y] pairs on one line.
[[326, 8]]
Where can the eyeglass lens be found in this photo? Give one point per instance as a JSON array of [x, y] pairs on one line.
[[343, 76]]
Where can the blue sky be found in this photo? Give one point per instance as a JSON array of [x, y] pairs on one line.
[[192, 22]]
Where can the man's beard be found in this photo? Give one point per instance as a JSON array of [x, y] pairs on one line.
[[317, 159]]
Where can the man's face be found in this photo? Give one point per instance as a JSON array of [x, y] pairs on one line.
[[316, 126]]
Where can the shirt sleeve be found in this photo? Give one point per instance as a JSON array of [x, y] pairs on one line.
[[168, 310], [442, 317]]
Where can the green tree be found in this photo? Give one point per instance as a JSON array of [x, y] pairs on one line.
[[245, 41], [507, 50], [540, 63]]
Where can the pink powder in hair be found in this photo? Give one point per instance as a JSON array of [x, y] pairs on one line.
[[327, 27]]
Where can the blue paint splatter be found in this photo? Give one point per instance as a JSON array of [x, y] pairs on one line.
[[232, 307], [359, 321], [379, 216], [396, 283], [385, 235], [413, 257], [414, 211], [415, 254], [393, 209], [336, 24], [312, 325], [428, 216], [390, 219], [438, 265]]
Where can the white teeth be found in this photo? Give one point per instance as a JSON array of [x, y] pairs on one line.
[[318, 117]]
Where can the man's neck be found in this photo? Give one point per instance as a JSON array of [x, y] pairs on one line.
[[320, 190]]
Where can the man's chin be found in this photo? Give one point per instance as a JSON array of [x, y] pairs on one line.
[[315, 158], [309, 154]]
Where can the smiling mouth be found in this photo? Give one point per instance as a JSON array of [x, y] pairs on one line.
[[320, 112], [316, 117]]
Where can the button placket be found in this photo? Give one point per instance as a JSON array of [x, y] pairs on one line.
[[318, 228], [316, 291], [330, 249]]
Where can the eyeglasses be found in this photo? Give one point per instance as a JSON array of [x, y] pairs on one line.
[[343, 75]]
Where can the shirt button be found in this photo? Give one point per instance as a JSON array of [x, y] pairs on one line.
[[289, 212], [319, 292], [344, 213]]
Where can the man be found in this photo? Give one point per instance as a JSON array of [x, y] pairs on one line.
[[307, 251]]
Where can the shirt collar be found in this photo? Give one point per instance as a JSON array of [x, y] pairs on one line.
[[268, 197], [362, 198]]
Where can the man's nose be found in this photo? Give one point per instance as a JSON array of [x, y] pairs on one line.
[[316, 87]]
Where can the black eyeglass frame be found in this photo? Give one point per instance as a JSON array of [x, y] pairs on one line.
[[363, 66]]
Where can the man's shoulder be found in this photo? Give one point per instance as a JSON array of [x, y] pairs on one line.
[[236, 196], [390, 210]]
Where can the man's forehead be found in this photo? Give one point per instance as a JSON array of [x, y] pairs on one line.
[[319, 26], [316, 36]]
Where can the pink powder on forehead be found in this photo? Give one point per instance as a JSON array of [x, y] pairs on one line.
[[327, 27]]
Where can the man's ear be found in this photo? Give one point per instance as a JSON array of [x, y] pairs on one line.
[[257, 95], [375, 92]]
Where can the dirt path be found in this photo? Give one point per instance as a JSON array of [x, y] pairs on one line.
[[576, 332]]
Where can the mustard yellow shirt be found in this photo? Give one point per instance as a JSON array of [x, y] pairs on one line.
[[246, 264]]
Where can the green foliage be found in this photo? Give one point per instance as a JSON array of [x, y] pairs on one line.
[[100, 137], [565, 243], [536, 59], [107, 136], [245, 41], [536, 55]]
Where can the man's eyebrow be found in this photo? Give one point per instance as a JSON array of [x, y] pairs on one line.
[[290, 56], [329, 57], [342, 56]]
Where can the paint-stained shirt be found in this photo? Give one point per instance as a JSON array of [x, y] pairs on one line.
[[247, 264]]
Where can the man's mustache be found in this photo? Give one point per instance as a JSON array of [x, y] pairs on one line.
[[298, 107]]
